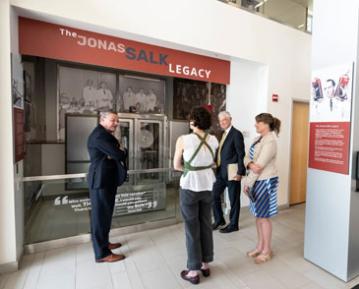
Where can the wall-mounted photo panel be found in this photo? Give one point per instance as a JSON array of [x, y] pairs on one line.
[[83, 91], [330, 119], [17, 82], [188, 94], [218, 103], [141, 95], [331, 94]]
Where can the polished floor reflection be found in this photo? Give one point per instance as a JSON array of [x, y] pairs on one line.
[[156, 257]]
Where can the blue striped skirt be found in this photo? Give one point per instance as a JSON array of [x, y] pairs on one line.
[[264, 198]]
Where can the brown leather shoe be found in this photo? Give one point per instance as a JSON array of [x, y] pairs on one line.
[[194, 280], [113, 246], [111, 258]]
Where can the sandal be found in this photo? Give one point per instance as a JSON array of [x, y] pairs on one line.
[[262, 258], [254, 253]]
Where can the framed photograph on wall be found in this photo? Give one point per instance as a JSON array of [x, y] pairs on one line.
[[19, 135], [218, 102], [141, 94], [330, 118], [17, 82], [83, 91], [33, 129], [27, 86], [191, 93], [331, 97]]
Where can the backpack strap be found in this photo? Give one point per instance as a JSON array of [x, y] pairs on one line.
[[187, 164]]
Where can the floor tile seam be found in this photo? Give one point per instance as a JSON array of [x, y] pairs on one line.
[[232, 273], [76, 263], [136, 268], [287, 226], [111, 275], [40, 270], [4, 281], [326, 275], [298, 287], [25, 272], [168, 265]]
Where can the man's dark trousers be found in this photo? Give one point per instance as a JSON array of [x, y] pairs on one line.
[[232, 151], [234, 194], [102, 202]]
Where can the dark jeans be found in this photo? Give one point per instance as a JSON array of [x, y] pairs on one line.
[[102, 205], [196, 212], [234, 194]]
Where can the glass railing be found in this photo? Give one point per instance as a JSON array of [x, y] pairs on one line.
[[294, 13], [59, 206]]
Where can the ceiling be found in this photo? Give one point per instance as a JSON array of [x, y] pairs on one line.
[[305, 3]]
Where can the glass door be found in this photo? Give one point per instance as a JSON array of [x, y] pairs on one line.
[[125, 135], [149, 149], [145, 191]]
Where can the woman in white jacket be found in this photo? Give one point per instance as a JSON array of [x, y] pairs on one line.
[[261, 183]]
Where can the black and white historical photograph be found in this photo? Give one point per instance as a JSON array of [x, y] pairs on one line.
[[191, 93], [188, 94], [17, 82], [32, 130], [83, 91], [218, 104], [331, 94], [141, 95]]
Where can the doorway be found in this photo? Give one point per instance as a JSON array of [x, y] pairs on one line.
[[299, 153]]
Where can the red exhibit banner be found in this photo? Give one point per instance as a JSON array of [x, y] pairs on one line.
[[19, 134], [65, 43], [329, 146]]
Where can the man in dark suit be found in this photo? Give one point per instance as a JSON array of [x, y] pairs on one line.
[[231, 151], [107, 171]]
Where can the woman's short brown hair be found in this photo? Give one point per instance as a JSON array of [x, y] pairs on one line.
[[201, 118]]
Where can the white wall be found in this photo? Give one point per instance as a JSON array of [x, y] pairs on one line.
[[246, 101], [332, 216], [18, 168], [353, 262], [211, 28], [7, 200]]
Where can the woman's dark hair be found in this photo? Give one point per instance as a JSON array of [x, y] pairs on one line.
[[201, 118], [273, 122]]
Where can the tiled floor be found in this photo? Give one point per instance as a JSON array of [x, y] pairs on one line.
[[155, 258]]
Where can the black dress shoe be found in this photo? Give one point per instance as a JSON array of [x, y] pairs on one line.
[[193, 280], [228, 229], [215, 226], [206, 272]]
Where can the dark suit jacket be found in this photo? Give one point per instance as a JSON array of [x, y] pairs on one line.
[[108, 162], [233, 151]]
